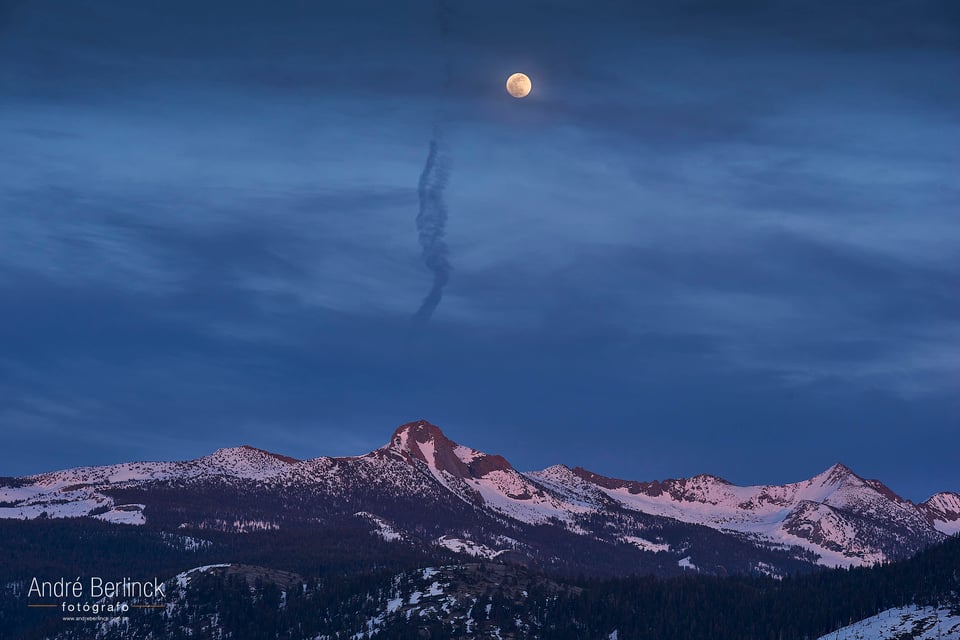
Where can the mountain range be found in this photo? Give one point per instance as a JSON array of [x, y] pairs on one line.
[[424, 490]]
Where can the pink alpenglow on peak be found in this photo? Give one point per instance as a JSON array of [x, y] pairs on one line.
[[425, 442], [836, 517], [943, 511]]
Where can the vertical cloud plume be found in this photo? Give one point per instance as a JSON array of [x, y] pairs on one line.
[[432, 217], [432, 223]]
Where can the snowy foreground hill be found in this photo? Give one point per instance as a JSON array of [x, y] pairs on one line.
[[903, 623], [424, 490]]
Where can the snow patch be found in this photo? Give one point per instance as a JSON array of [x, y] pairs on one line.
[[468, 547], [647, 545], [183, 579], [124, 514], [381, 527]]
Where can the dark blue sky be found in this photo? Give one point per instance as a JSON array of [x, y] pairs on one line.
[[718, 237]]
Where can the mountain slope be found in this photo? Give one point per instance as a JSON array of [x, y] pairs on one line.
[[426, 490], [837, 514]]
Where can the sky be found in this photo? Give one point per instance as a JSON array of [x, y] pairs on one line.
[[717, 237]]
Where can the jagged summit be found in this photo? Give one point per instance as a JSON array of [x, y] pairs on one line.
[[427, 443], [406, 436], [943, 511], [837, 472], [946, 501], [419, 427], [842, 480]]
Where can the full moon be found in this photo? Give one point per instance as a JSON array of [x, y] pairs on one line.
[[518, 85]]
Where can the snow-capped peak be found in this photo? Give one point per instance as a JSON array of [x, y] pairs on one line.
[[837, 474], [425, 442], [943, 511], [811, 513], [946, 502]]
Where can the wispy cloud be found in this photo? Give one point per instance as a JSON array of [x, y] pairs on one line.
[[206, 216]]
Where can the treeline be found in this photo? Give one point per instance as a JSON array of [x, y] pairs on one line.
[[346, 578], [736, 608]]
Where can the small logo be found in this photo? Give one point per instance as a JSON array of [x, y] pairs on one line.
[[95, 598]]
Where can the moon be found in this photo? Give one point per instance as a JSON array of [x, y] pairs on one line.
[[518, 85]]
